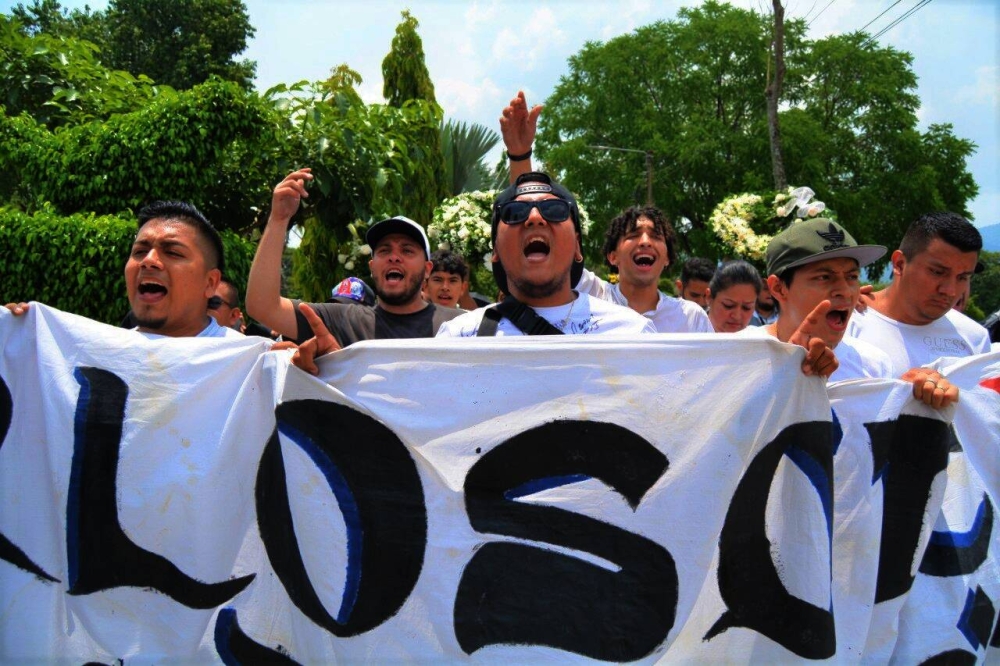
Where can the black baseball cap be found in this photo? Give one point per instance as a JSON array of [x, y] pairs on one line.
[[529, 183]]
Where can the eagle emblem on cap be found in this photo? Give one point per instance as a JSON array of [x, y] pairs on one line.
[[833, 237]]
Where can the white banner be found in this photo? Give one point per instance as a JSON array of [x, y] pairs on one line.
[[501, 500]]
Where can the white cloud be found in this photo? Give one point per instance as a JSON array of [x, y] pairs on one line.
[[481, 13], [468, 100], [531, 42], [986, 89]]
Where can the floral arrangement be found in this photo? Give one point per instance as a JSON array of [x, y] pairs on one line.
[[354, 253], [745, 223], [462, 224]]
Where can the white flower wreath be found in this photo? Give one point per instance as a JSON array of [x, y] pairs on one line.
[[733, 220]]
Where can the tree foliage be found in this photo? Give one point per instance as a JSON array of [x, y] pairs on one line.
[[464, 147], [692, 91], [60, 80], [986, 285], [202, 145], [406, 81], [362, 162], [179, 43], [76, 263]]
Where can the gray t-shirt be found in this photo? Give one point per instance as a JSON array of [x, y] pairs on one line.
[[350, 323]]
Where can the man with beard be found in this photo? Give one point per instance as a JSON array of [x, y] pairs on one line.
[[399, 266], [537, 262]]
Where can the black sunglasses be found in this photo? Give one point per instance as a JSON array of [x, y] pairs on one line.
[[517, 212], [216, 302]]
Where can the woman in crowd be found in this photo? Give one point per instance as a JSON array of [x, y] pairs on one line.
[[732, 296]]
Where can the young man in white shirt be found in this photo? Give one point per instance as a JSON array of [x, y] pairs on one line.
[[912, 320], [814, 270], [537, 261]]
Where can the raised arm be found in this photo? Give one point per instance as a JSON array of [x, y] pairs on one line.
[[264, 300], [518, 126]]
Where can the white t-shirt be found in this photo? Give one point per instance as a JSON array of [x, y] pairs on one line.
[[583, 315], [672, 315], [911, 346], [858, 359], [213, 330]]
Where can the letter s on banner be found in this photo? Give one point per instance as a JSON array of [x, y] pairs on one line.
[[519, 594]]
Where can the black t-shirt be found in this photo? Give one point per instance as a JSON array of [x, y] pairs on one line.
[[350, 323]]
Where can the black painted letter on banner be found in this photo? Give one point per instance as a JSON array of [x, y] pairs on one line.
[[748, 579], [101, 556], [513, 593], [378, 490], [908, 454], [235, 647], [9, 552]]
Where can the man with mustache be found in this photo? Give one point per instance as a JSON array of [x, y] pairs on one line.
[[399, 265]]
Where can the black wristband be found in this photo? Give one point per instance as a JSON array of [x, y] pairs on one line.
[[519, 158]]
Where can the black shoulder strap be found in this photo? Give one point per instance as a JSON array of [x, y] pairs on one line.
[[522, 316]]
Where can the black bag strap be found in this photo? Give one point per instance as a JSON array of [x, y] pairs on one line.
[[522, 316]]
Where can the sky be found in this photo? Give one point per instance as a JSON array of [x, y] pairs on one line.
[[481, 53]]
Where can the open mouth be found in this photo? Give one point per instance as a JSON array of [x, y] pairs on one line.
[[151, 291], [837, 319], [537, 249], [644, 260], [394, 275]]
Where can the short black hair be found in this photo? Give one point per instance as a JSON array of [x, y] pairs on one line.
[[952, 228], [188, 214], [733, 273], [697, 268], [627, 222], [449, 262], [233, 292]]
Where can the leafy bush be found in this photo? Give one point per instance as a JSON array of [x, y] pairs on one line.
[[76, 263]]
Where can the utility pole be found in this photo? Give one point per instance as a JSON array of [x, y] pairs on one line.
[[649, 167]]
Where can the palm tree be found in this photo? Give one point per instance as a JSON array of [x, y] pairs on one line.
[[464, 147]]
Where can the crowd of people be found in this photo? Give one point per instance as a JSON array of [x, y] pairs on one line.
[[811, 294]]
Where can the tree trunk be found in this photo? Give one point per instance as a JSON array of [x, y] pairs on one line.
[[773, 94]]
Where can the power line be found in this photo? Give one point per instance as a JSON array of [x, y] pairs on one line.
[[920, 5], [880, 15], [820, 13]]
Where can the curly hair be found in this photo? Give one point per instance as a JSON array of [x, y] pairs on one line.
[[627, 221]]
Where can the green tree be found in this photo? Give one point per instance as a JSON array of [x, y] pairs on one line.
[[180, 43], [986, 285], [207, 145], [692, 91], [464, 147], [406, 81], [59, 79], [361, 158]]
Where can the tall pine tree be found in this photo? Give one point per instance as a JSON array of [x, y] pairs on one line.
[[407, 81]]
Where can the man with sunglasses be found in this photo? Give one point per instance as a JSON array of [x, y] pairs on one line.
[[639, 245], [224, 306], [536, 263], [399, 266]]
